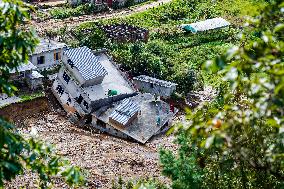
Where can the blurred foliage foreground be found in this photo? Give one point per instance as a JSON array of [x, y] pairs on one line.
[[237, 141], [19, 153]]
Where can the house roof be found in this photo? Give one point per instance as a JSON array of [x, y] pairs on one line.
[[46, 45], [205, 25], [125, 111], [35, 75], [24, 67], [155, 81], [86, 62], [145, 126]]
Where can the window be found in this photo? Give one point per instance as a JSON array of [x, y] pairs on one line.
[[152, 85], [100, 123], [57, 56], [60, 89], [77, 115], [86, 104], [40, 60], [70, 63], [79, 99], [66, 77]]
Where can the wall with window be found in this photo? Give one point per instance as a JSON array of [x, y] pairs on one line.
[[154, 88], [47, 59], [67, 101], [71, 84]]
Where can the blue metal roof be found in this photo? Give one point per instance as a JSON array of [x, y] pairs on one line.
[[86, 62], [124, 111]]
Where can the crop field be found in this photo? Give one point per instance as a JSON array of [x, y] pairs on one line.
[[170, 53]]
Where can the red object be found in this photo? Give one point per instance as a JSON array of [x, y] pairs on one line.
[[109, 3], [172, 108]]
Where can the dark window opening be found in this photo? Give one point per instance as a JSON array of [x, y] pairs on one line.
[[69, 100], [60, 89], [70, 63], [40, 60], [86, 104], [78, 115], [56, 55], [79, 99], [152, 85], [100, 123], [66, 77]]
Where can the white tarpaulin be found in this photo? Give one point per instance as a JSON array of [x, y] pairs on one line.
[[205, 25]]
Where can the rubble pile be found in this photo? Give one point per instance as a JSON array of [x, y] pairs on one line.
[[124, 32], [104, 157], [195, 98]]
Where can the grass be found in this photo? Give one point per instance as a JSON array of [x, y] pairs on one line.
[[32, 96], [170, 53]]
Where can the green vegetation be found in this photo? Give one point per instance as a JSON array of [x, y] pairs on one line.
[[170, 53], [28, 97], [20, 153], [237, 140], [65, 12]]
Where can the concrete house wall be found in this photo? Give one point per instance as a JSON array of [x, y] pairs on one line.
[[154, 89], [104, 127], [49, 60], [74, 89], [71, 107]]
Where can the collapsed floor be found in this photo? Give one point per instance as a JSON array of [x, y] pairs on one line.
[[104, 157]]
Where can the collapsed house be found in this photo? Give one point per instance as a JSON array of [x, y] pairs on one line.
[[26, 73], [209, 24], [47, 54], [91, 86]]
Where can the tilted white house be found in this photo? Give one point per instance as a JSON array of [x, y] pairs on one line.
[[84, 81], [91, 87], [47, 54]]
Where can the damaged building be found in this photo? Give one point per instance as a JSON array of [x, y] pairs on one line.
[[91, 86], [27, 74]]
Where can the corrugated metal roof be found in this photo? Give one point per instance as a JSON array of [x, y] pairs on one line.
[[154, 81], [124, 111], [46, 45], [86, 62], [24, 67], [35, 75], [205, 25]]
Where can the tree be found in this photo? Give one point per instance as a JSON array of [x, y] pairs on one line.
[[237, 140], [17, 152]]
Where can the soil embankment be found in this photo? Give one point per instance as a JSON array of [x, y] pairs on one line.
[[21, 110], [102, 157]]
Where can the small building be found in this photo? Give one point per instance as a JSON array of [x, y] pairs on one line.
[[26, 73], [209, 24], [47, 54], [154, 86]]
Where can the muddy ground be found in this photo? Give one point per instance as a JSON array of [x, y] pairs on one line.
[[103, 157]]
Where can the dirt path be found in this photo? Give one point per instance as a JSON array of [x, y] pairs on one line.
[[53, 24]]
